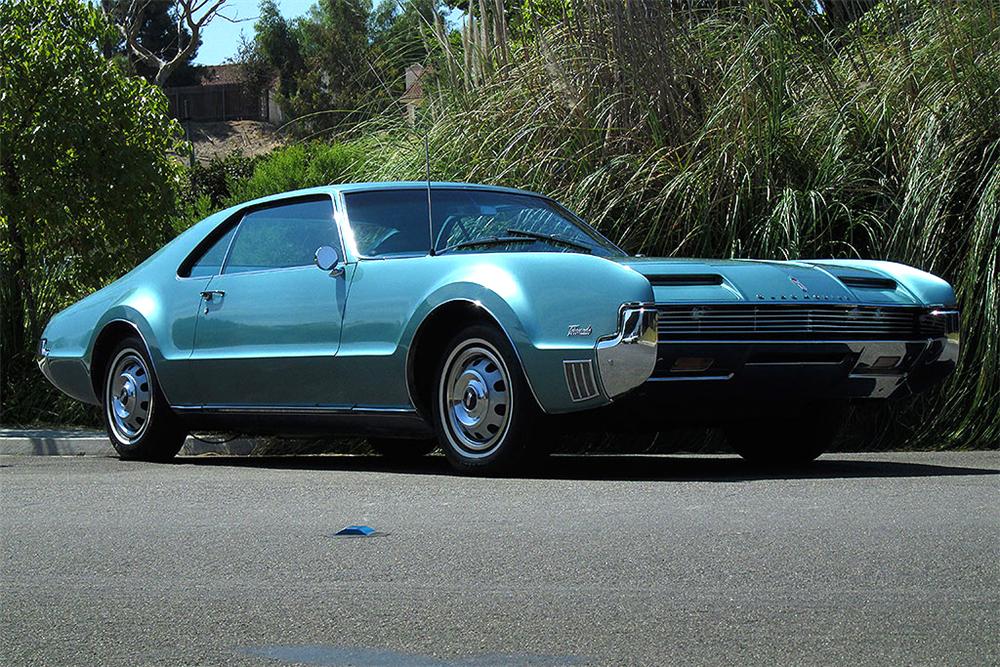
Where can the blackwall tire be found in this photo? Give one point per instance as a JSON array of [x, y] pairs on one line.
[[137, 417], [483, 408]]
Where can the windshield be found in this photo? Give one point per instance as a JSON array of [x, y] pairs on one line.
[[484, 221], [395, 223]]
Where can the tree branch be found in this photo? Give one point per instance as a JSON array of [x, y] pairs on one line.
[[196, 14]]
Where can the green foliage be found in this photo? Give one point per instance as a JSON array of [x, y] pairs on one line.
[[86, 180], [343, 61], [321, 59], [213, 179], [277, 45], [399, 35], [300, 166]]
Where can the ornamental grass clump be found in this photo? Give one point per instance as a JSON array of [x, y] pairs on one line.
[[759, 130]]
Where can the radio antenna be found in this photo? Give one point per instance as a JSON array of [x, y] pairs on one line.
[[427, 155], [427, 173]]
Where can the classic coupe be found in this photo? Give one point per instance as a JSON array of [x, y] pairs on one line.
[[465, 316]]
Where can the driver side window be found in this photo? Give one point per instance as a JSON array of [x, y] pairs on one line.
[[282, 236]]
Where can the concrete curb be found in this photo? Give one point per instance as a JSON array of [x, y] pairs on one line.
[[40, 442]]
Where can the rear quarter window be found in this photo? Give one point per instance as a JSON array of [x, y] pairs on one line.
[[207, 259]]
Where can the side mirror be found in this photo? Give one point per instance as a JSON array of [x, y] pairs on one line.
[[327, 259]]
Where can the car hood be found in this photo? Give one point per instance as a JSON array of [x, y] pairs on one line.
[[763, 281]]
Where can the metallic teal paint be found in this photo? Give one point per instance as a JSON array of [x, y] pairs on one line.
[[308, 338]]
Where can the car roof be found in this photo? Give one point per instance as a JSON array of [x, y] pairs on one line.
[[385, 185]]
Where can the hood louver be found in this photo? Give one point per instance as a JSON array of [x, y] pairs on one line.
[[684, 279], [868, 282]]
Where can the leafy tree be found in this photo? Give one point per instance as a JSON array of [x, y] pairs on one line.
[[278, 45], [328, 60], [86, 177], [333, 39]]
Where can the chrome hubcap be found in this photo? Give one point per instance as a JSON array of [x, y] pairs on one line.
[[476, 398], [129, 396]]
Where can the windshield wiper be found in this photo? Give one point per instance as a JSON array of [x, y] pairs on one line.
[[487, 241], [551, 238]]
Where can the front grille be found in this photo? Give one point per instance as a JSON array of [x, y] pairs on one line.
[[793, 322]]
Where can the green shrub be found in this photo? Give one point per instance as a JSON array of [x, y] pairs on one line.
[[298, 166]]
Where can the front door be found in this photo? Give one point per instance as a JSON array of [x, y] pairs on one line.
[[269, 324]]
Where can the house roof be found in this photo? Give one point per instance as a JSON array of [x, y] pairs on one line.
[[210, 75]]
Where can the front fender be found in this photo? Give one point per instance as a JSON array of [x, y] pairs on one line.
[[553, 308], [925, 287]]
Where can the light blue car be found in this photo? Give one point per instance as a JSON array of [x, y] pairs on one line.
[[472, 317]]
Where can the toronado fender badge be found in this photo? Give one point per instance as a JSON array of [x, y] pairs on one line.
[[578, 330]]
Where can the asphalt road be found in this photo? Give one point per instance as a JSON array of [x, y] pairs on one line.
[[865, 559]]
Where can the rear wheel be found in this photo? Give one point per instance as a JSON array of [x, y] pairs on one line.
[[139, 422], [398, 449], [483, 408], [788, 440]]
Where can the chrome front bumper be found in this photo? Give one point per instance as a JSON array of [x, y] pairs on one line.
[[626, 359], [631, 357]]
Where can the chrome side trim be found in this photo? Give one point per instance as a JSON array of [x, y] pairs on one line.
[[794, 343], [699, 378], [294, 409], [627, 358]]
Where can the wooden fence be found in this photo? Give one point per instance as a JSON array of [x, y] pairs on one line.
[[217, 102]]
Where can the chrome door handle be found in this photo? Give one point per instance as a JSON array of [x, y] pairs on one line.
[[208, 295]]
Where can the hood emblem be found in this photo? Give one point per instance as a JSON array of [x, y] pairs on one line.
[[578, 330], [798, 283]]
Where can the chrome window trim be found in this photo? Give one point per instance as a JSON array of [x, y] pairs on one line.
[[242, 213], [278, 203]]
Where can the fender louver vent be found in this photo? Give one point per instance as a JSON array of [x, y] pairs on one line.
[[580, 380], [685, 279], [867, 282]]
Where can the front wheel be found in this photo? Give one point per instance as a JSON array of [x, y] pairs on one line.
[[792, 440], [483, 408], [138, 419]]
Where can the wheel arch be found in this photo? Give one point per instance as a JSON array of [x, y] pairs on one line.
[[110, 335], [433, 334]]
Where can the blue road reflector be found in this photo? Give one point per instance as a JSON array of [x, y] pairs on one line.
[[363, 531]]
